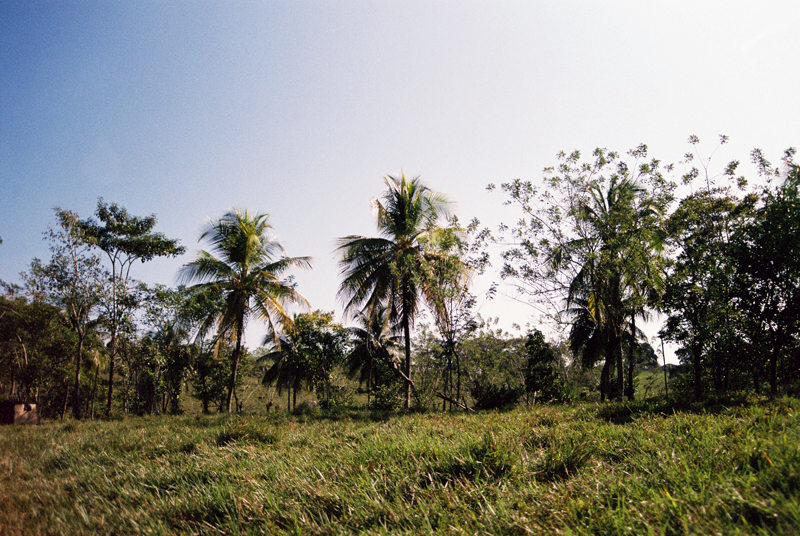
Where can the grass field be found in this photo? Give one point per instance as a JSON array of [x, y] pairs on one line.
[[583, 469]]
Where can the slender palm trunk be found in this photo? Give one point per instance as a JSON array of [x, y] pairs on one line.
[[94, 389], [407, 366], [604, 380], [369, 381], [235, 365]]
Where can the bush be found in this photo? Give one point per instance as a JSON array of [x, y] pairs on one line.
[[490, 396], [385, 398], [337, 397]]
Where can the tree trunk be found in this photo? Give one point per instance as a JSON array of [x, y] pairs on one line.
[[458, 376], [235, 365], [620, 371], [112, 352], [773, 373], [756, 381], [66, 399], [76, 399], [631, 360], [407, 366], [94, 389], [697, 350]]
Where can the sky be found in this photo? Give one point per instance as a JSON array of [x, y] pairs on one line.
[[298, 109]]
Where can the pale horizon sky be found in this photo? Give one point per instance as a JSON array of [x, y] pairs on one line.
[[297, 109]]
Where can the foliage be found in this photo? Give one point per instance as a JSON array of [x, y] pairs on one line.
[[731, 291], [36, 350], [495, 368], [210, 377], [447, 287], [698, 296], [124, 239], [374, 355], [766, 289]]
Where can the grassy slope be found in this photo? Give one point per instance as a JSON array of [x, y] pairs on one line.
[[586, 469]]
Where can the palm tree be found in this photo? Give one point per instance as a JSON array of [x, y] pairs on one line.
[[243, 273], [390, 269], [373, 341], [617, 245], [289, 369]]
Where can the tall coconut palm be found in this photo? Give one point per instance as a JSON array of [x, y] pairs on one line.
[[244, 274], [389, 269]]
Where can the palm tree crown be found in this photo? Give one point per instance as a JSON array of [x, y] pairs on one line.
[[390, 269], [244, 275]]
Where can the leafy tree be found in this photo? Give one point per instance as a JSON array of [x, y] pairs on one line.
[[450, 270], [587, 240], [71, 280], [308, 354], [542, 378], [390, 269], [766, 289], [324, 345], [698, 297], [36, 350], [170, 332], [287, 369], [494, 363], [210, 376], [124, 239], [698, 288], [243, 274]]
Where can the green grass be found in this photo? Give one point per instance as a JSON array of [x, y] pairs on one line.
[[587, 469]]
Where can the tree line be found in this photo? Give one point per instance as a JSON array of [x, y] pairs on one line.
[[601, 245]]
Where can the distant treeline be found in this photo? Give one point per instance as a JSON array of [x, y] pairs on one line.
[[598, 246]]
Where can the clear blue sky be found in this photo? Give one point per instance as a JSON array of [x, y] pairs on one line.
[[185, 109]]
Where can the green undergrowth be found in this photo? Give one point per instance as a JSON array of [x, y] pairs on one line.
[[641, 468]]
